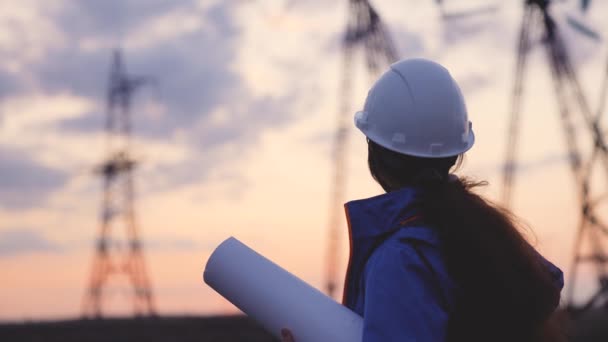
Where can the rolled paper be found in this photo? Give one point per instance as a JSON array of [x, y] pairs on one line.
[[277, 299]]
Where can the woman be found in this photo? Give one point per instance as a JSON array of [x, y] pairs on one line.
[[430, 259]]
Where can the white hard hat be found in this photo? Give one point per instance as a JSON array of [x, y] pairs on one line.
[[416, 108]]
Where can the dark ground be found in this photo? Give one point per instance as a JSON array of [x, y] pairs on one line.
[[199, 329], [591, 327]]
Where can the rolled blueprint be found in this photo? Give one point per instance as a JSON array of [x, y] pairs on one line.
[[276, 298]]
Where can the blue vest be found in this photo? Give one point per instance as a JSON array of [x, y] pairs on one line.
[[396, 278]]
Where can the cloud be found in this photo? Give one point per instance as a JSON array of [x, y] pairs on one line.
[[15, 242], [22, 241], [206, 101], [190, 50], [193, 68], [89, 122], [24, 182], [10, 84]]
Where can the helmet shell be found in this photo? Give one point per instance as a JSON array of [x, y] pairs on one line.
[[416, 108]]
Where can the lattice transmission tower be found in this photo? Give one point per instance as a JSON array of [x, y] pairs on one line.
[[365, 32], [118, 256], [570, 100]]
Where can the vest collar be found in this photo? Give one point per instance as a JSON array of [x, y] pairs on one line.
[[379, 215]]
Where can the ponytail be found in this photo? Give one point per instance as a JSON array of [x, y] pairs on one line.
[[505, 291]]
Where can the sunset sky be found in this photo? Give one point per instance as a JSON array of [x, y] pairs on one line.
[[236, 138]]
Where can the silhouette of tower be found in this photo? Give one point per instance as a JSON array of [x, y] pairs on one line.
[[570, 100], [364, 30], [113, 256]]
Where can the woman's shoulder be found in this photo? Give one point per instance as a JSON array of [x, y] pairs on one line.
[[411, 244], [407, 248], [412, 257], [403, 295]]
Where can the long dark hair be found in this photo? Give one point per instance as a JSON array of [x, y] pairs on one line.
[[505, 292]]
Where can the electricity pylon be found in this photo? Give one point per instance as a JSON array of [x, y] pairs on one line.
[[570, 99], [115, 257], [366, 31]]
